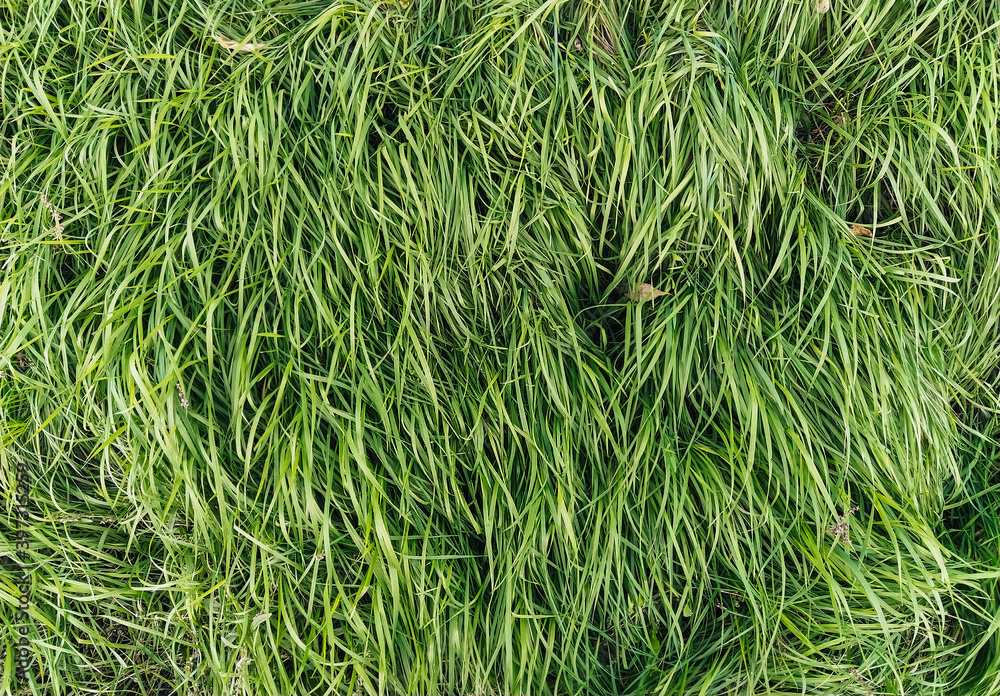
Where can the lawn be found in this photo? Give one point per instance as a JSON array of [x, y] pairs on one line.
[[501, 347]]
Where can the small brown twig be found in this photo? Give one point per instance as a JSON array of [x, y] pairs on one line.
[[842, 530]]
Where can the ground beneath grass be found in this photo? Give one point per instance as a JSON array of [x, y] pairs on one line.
[[509, 347]]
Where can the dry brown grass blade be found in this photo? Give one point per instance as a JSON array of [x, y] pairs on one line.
[[604, 38]]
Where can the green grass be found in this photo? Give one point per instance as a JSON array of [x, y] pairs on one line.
[[330, 381]]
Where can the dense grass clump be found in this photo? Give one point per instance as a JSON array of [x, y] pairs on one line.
[[543, 347]]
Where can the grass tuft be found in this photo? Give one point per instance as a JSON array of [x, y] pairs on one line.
[[323, 332]]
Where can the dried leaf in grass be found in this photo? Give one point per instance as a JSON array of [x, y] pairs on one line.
[[236, 46], [859, 231], [822, 6], [644, 291], [842, 530]]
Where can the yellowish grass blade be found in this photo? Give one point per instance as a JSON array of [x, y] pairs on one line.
[[236, 46]]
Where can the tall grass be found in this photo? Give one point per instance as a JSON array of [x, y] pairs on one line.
[[322, 333]]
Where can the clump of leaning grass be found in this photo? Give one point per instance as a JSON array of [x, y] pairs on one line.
[[434, 451]]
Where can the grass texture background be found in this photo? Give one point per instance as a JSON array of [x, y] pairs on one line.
[[325, 355]]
